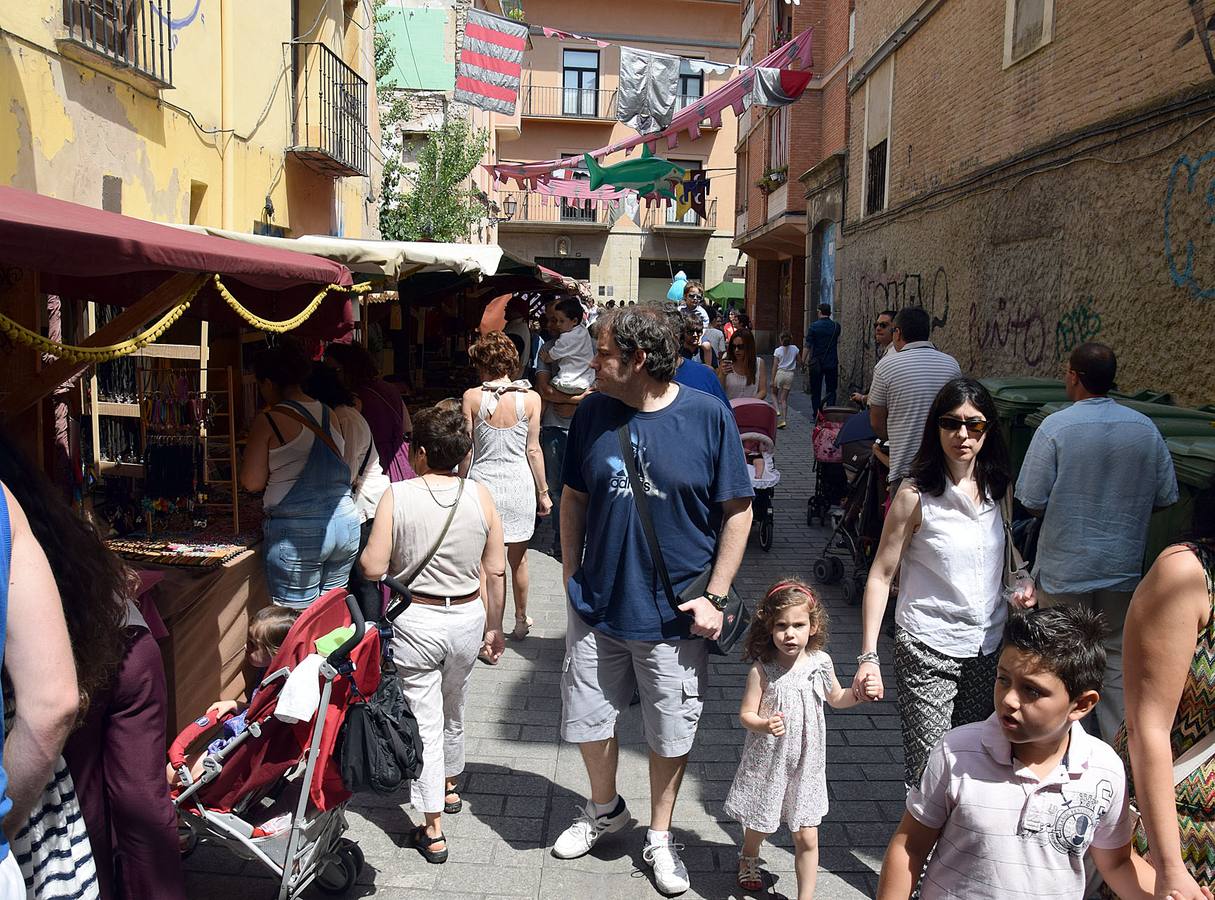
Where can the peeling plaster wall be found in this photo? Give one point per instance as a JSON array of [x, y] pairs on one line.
[[65, 123]]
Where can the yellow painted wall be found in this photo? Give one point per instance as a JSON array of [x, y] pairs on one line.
[[68, 118]]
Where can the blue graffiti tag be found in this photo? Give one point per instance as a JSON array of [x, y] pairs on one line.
[[1184, 276], [185, 20]]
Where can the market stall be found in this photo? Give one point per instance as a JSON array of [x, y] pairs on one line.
[[83, 290]]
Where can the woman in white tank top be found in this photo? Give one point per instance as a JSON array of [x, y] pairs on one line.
[[442, 535], [945, 529]]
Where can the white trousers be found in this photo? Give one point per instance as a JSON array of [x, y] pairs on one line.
[[435, 648], [12, 885]]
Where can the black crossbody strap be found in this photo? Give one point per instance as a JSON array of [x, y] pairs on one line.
[[642, 502]]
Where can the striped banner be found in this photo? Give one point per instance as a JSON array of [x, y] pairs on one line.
[[490, 64]]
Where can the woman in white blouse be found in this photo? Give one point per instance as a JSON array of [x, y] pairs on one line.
[[944, 528]]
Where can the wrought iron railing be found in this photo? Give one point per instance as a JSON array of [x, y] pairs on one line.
[[568, 103], [533, 208], [330, 111], [660, 217], [129, 33]]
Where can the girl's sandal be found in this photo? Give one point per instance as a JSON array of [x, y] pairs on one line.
[[451, 807], [750, 878], [424, 842]]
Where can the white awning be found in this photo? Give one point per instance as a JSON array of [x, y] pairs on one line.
[[393, 260]]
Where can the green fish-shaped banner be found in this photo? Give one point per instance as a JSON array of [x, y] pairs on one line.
[[648, 175]]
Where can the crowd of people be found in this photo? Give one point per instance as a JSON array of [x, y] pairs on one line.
[[1012, 685]]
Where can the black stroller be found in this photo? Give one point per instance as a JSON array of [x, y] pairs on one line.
[[830, 482]]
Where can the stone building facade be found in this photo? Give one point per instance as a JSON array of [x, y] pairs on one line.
[[1035, 174]]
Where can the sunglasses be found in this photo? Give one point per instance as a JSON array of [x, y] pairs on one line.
[[882, 324], [952, 424]]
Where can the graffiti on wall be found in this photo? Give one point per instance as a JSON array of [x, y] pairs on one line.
[[885, 290], [1202, 30], [1077, 325], [177, 23], [1012, 329], [1189, 211]]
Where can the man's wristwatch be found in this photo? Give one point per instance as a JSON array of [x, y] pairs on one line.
[[718, 600]]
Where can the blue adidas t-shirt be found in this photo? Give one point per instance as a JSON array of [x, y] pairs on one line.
[[697, 375], [690, 457]]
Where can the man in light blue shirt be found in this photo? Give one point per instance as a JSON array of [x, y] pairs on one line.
[[1095, 472]]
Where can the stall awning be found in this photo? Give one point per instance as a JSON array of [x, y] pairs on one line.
[[68, 239], [392, 260], [727, 290]]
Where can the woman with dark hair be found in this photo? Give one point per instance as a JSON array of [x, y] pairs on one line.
[[379, 402], [743, 373], [442, 535], [945, 529], [116, 755], [507, 457], [295, 454], [1169, 651]]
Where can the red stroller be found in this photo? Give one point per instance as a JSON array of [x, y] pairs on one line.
[[756, 421], [274, 792]]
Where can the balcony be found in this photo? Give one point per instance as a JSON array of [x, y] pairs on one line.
[[330, 113], [131, 34], [658, 218], [554, 102], [535, 213]]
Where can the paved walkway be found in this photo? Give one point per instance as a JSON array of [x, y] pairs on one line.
[[522, 785]]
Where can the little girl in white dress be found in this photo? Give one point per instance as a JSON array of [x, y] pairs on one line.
[[782, 774]]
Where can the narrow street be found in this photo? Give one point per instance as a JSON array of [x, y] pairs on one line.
[[523, 786]]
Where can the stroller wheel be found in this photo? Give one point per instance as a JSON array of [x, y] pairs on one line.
[[827, 570], [765, 533], [810, 514], [343, 871], [187, 839], [854, 590]]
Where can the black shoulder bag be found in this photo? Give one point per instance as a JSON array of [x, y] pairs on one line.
[[381, 747], [735, 617]]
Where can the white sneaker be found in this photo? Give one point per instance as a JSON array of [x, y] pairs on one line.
[[579, 838], [670, 874]]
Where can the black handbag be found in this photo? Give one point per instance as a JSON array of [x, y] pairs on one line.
[[381, 745], [735, 617]]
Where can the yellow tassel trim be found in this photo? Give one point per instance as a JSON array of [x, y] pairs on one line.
[[287, 324]]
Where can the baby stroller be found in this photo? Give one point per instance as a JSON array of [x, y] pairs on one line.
[[858, 529], [830, 481], [756, 420], [274, 793]]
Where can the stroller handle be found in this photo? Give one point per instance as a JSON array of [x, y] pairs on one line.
[[191, 733], [342, 653], [401, 590]]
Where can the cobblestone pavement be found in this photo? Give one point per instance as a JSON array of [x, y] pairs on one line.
[[522, 785]]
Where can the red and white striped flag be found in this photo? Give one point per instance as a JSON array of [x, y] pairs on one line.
[[490, 65]]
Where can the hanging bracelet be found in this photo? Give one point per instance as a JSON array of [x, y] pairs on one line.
[[870, 657]]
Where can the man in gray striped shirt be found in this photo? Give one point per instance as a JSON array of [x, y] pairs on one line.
[[904, 385]]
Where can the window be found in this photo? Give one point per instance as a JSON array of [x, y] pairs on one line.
[[875, 178], [691, 84], [782, 23], [577, 210], [741, 184], [132, 33], [852, 30], [1029, 25], [580, 80], [778, 138]]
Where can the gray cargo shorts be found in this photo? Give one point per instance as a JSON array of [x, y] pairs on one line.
[[601, 671]]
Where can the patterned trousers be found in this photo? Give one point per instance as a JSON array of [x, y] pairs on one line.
[[936, 693]]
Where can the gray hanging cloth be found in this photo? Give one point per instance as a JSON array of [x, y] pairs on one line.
[[649, 89]]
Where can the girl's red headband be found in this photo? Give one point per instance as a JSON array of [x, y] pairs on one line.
[[799, 588]]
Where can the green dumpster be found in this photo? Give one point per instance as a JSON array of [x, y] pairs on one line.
[[1173, 421], [1194, 462], [1016, 398]]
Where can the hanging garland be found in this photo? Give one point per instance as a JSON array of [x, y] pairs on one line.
[[287, 324], [18, 333]]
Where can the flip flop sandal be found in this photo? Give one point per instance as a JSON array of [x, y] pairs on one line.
[[424, 842], [454, 806]]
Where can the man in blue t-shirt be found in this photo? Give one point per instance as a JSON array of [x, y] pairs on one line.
[[622, 632], [821, 353]]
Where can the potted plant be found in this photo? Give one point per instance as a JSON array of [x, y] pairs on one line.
[[772, 179]]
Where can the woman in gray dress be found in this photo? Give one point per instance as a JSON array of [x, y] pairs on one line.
[[503, 417]]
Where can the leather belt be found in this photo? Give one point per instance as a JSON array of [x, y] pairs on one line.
[[432, 600]]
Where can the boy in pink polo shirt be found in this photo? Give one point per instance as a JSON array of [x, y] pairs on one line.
[[1010, 806]]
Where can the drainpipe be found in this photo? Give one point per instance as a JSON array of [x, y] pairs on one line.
[[227, 84]]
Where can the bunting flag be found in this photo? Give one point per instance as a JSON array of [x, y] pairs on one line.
[[570, 36], [692, 193], [491, 62], [778, 87], [734, 94], [648, 90]]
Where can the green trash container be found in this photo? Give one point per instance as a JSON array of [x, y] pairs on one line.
[[1194, 462], [1016, 398], [1173, 421]]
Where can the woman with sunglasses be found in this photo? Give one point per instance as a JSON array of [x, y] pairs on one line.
[[945, 529], [742, 373]]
